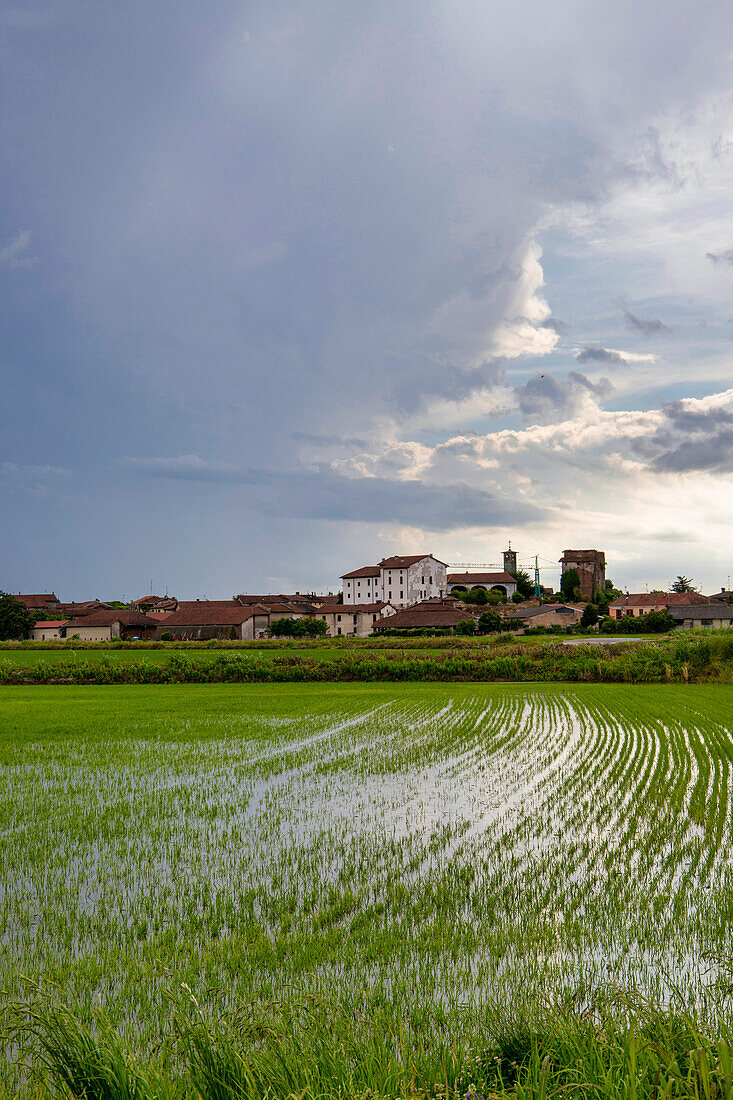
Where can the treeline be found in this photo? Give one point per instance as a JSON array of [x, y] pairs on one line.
[[677, 659]]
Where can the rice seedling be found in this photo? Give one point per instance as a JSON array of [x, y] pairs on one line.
[[329, 889]]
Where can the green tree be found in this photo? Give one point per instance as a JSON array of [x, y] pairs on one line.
[[525, 585], [683, 584], [570, 583], [589, 616], [657, 622], [489, 622], [476, 595], [16, 621], [466, 627]]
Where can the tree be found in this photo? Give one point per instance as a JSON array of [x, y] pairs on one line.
[[466, 627], [476, 595], [298, 628], [525, 587], [589, 616], [658, 622], [517, 598], [489, 621], [570, 583], [683, 584], [16, 621]]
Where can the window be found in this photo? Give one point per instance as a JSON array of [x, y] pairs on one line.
[[338, 619], [339, 629], [430, 579], [390, 595], [706, 622], [374, 618], [422, 580], [402, 594]]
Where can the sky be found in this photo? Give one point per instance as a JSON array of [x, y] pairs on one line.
[[286, 288]]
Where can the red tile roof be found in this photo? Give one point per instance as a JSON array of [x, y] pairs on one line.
[[212, 613], [436, 612], [37, 602], [365, 571], [50, 622], [86, 607], [402, 562], [105, 618], [658, 599]]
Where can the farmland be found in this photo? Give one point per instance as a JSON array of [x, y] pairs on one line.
[[682, 657], [412, 858]]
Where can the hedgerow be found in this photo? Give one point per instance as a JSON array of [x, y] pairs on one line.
[[681, 657]]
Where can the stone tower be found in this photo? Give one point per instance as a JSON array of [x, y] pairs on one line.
[[591, 567], [510, 560]]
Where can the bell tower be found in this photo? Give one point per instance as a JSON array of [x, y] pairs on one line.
[[510, 560]]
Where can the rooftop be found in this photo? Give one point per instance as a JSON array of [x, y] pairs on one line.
[[657, 599], [365, 571], [398, 561], [213, 613], [481, 578], [106, 617]]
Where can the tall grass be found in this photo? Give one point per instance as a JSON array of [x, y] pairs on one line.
[[613, 1044]]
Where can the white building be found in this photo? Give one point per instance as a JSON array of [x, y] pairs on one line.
[[400, 580], [356, 620], [49, 631]]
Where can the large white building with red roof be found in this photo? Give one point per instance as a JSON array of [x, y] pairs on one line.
[[400, 580]]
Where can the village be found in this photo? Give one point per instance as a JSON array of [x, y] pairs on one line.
[[400, 594]]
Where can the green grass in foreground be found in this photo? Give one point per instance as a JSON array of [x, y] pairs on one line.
[[381, 887]]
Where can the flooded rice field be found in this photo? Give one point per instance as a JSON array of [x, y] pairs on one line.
[[442, 843]]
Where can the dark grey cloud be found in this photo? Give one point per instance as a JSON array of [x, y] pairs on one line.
[[689, 439], [647, 326], [594, 354], [556, 325], [711, 453], [327, 495], [548, 398], [689, 419], [725, 258]]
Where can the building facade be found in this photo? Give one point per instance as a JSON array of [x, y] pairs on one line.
[[591, 567], [713, 615], [106, 626], [49, 631], [503, 583], [400, 580], [641, 603], [353, 620]]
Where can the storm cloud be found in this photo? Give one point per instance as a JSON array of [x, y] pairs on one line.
[[271, 274], [327, 495]]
